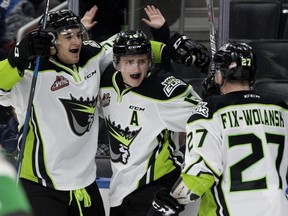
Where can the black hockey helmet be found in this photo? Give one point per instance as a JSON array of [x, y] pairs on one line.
[[58, 21], [130, 43], [236, 61]]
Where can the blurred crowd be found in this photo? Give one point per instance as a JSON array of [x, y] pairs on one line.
[[13, 15], [111, 17]]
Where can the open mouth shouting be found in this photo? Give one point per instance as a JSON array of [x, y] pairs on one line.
[[75, 51], [135, 76]]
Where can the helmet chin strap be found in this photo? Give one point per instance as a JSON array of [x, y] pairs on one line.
[[120, 78], [55, 50], [127, 85], [218, 86]]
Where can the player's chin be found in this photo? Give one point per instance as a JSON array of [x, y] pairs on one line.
[[74, 59], [136, 81]]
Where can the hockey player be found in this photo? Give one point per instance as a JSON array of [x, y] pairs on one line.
[[58, 168], [143, 108], [236, 150]]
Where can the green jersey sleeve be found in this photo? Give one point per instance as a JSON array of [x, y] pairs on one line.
[[9, 76], [157, 49]]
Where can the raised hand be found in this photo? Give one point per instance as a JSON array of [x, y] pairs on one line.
[[155, 18], [87, 19]]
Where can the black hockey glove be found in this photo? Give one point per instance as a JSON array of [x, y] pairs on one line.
[[164, 204], [34, 43], [182, 48]]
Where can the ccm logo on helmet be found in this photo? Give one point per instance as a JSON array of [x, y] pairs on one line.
[[71, 18], [134, 47]]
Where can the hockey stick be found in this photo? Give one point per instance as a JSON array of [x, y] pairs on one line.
[[209, 82], [30, 101], [212, 30]]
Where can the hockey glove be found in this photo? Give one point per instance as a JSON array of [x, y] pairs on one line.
[[182, 48], [34, 43], [165, 204]]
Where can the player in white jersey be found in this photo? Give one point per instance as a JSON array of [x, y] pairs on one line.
[[62, 136], [143, 108], [236, 155]]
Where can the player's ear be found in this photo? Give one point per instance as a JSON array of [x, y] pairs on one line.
[[116, 65], [219, 77], [53, 51], [116, 62]]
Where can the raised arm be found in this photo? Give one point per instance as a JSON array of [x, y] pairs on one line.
[[157, 23], [87, 19], [155, 18]]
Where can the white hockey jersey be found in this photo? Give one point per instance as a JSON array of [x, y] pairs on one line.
[[140, 121], [62, 136], [241, 139]]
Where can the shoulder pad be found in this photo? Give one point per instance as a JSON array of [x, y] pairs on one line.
[[157, 48]]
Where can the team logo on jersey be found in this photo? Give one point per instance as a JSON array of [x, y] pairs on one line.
[[80, 113], [170, 84], [105, 100], [202, 109], [59, 83], [120, 141]]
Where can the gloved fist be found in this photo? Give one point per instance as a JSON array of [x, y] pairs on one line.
[[34, 43], [165, 204], [182, 48]]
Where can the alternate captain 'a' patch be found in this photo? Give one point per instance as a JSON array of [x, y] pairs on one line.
[[80, 113], [59, 83]]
